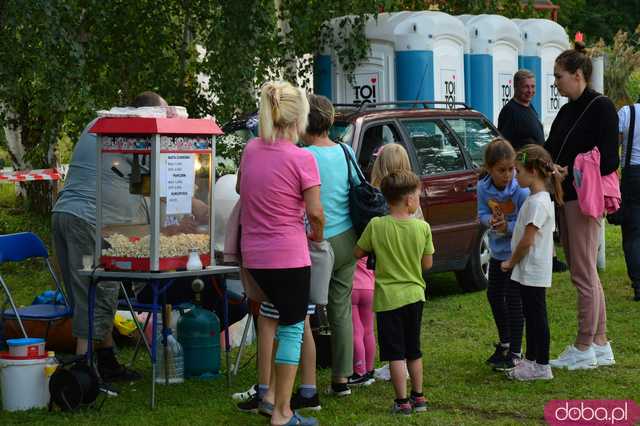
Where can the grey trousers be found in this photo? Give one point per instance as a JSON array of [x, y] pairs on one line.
[[72, 238], [339, 306]]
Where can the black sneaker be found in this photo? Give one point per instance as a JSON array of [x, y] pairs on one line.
[[251, 405], [559, 266], [371, 374], [499, 355], [299, 402], [358, 380], [339, 389], [508, 363]]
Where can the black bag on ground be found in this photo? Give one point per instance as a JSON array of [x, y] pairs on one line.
[[321, 336], [616, 217], [365, 201]]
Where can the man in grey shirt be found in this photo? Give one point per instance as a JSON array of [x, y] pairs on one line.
[[74, 220]]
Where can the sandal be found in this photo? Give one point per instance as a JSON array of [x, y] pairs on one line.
[[298, 420]]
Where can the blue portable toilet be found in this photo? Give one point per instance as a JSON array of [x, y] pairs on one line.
[[494, 42], [412, 56], [373, 79], [543, 40], [467, 62], [430, 49]]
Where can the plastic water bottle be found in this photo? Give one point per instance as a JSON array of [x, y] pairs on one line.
[[49, 368], [174, 359]]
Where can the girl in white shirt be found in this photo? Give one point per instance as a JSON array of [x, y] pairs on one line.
[[531, 258]]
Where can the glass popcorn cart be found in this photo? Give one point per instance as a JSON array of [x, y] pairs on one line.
[[154, 193]]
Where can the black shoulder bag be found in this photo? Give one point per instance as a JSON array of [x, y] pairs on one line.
[[365, 201], [616, 218]]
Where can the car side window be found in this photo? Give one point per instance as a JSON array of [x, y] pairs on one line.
[[375, 137], [475, 134], [436, 151]]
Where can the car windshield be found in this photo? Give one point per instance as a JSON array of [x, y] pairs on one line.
[[341, 132], [475, 134]]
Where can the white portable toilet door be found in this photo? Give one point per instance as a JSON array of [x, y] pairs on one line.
[[551, 100], [448, 59], [505, 65], [374, 78]]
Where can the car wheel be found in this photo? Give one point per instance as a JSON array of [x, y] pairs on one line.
[[475, 276]]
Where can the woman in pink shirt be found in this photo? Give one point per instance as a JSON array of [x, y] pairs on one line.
[[278, 183]]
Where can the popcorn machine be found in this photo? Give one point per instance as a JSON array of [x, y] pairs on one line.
[[155, 180]]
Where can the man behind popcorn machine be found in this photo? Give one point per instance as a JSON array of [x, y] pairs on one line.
[[74, 219]]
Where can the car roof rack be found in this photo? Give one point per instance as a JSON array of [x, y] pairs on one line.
[[415, 104]]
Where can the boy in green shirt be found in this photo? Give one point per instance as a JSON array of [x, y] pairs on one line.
[[404, 249]]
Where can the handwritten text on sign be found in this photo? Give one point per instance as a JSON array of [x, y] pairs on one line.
[[177, 183]]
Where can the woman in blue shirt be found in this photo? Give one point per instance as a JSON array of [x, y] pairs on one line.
[[338, 230]]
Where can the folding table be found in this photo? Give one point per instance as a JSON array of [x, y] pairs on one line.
[[159, 282]]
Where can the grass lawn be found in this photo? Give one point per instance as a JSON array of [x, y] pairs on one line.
[[457, 337]]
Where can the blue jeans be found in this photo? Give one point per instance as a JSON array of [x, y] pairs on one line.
[[631, 221]]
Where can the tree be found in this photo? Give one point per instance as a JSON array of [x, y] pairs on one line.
[[253, 41], [622, 59], [599, 18], [40, 82], [130, 47], [63, 59]]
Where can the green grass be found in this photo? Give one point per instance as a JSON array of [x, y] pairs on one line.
[[457, 337]]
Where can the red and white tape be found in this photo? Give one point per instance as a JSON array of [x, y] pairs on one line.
[[23, 175]]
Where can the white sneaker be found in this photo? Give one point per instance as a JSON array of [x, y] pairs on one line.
[[246, 395], [543, 371], [519, 369], [383, 373], [529, 370], [604, 354], [574, 359]]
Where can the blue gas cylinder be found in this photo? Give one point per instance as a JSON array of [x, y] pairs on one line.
[[199, 335]]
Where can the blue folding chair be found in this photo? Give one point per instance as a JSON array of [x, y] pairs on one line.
[[19, 247]]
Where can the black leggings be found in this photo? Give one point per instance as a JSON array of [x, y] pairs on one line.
[[534, 306], [506, 304]]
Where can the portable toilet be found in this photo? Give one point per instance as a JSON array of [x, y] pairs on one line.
[[494, 42], [373, 78], [413, 56], [467, 62], [543, 40], [430, 49]]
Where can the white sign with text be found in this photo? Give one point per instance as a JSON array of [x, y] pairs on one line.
[[177, 175]]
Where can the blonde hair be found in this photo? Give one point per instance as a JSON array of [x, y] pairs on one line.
[[393, 158], [284, 111]]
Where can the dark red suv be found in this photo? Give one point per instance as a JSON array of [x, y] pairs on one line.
[[445, 142]]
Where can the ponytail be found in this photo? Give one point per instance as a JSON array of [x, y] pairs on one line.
[[535, 157], [284, 111]]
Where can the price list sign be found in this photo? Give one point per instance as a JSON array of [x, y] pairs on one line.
[[177, 175]]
